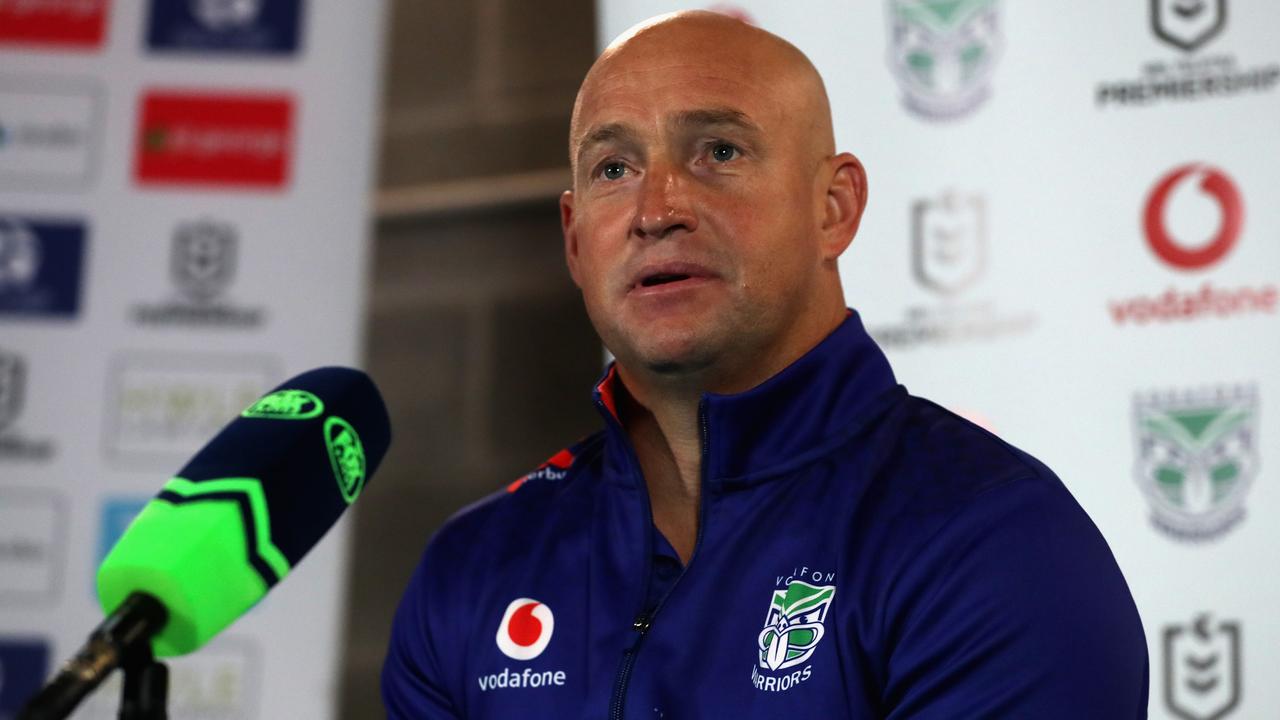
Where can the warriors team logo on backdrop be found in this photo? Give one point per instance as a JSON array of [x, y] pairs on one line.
[[949, 258], [1197, 454], [1187, 26], [1193, 219], [793, 627], [943, 53], [1202, 669]]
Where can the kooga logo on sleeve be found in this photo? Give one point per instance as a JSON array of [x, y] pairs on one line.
[[232, 140]]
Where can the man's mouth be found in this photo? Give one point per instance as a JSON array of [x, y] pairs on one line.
[[669, 273], [663, 279]]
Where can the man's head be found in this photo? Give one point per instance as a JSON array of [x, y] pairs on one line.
[[708, 206]]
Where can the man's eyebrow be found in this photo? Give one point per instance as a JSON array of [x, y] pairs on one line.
[[610, 132], [687, 119], [715, 116]]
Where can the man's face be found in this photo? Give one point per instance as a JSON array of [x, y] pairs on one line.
[[693, 225]]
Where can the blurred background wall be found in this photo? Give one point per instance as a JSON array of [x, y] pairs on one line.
[[476, 334]]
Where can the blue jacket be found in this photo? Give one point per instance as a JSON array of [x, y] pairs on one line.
[[861, 553]]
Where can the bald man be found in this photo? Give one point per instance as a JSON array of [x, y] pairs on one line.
[[768, 525]]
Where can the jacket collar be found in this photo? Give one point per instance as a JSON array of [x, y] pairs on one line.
[[817, 402]]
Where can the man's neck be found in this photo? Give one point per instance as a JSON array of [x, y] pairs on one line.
[[664, 432]]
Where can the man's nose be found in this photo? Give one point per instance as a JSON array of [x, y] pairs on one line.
[[663, 205]]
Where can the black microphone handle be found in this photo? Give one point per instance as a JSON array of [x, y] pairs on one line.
[[134, 623]]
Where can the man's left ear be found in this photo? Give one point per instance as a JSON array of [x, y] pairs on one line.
[[845, 200]]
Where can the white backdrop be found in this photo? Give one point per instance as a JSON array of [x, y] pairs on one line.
[[1007, 266], [183, 225]]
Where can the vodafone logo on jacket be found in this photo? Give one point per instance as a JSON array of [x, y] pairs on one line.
[[1168, 243], [205, 138], [526, 629]]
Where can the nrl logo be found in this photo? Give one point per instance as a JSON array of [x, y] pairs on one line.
[[1202, 669], [949, 241], [943, 53], [203, 260], [1197, 454], [793, 625], [1188, 24], [13, 374]]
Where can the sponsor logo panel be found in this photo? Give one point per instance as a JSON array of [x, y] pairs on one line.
[[1188, 26], [224, 139], [24, 666], [202, 262], [221, 682], [162, 408], [33, 529], [41, 265], [14, 444], [48, 133], [257, 27], [944, 53], [1192, 220], [949, 258], [1202, 668], [1197, 455], [65, 24]]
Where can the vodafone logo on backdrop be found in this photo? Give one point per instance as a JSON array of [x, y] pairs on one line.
[[64, 23], [526, 629], [228, 139], [1192, 218], [1165, 241]]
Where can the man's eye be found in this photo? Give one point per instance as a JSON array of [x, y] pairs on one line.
[[724, 152], [613, 171]]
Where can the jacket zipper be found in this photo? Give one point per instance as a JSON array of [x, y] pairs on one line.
[[644, 620]]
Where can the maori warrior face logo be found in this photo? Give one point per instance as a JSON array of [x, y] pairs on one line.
[[1197, 455], [794, 624], [943, 53]]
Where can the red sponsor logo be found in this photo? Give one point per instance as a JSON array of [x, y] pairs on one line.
[[1167, 245], [1208, 300], [214, 139], [61, 23]]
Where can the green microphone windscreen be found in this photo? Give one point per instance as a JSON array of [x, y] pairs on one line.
[[249, 505]]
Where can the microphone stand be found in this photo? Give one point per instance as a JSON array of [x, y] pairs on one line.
[[145, 694], [122, 640]]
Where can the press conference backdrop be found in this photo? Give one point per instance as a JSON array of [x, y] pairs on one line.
[[183, 225], [1073, 238]]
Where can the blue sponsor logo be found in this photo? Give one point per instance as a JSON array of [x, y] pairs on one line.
[[41, 262], [24, 664], [117, 513], [250, 27]]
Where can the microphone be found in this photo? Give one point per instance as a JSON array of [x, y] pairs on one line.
[[234, 521]]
